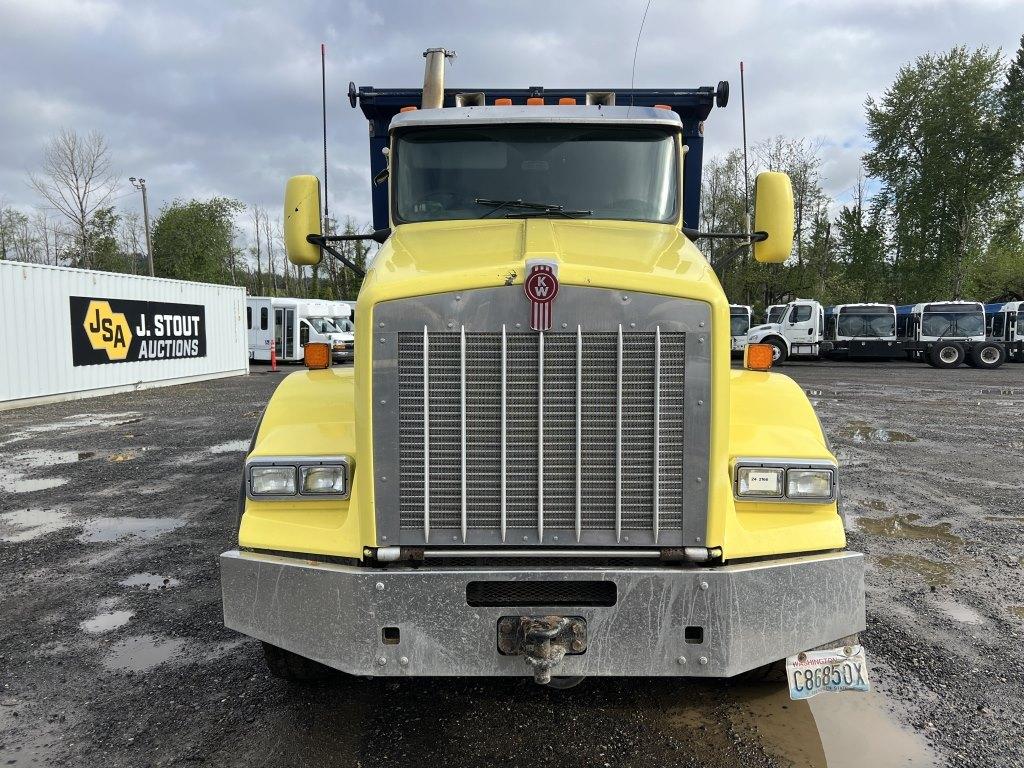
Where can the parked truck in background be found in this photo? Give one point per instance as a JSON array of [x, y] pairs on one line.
[[541, 463], [341, 315], [739, 325], [773, 313], [799, 333], [291, 324]]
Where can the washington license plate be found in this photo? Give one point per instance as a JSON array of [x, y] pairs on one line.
[[837, 669]]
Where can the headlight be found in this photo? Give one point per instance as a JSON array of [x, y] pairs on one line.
[[272, 481], [332, 479], [809, 483], [759, 481]]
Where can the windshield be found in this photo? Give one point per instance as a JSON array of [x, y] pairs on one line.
[[322, 324], [970, 323], [867, 322], [739, 325], [344, 324], [775, 314], [596, 172]]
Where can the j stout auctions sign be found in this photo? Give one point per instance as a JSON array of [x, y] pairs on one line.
[[122, 331]]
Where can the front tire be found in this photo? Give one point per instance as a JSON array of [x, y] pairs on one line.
[[779, 354], [986, 356], [946, 354], [294, 668]]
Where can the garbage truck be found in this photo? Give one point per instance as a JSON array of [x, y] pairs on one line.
[[541, 463]]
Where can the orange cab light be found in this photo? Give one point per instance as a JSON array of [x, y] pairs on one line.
[[568, 100], [503, 102], [662, 106], [408, 109], [758, 357], [317, 355], [535, 100]]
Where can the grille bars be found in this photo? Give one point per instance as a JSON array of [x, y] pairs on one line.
[[426, 434], [618, 439], [579, 432], [462, 421], [657, 433], [540, 437], [504, 438]]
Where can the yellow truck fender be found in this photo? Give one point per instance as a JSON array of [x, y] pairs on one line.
[[311, 414]]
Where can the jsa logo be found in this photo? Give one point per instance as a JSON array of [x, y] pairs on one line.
[[107, 330]]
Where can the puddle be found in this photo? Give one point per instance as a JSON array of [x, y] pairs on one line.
[[138, 654], [149, 581], [934, 574], [88, 420], [232, 446], [105, 622], [15, 482], [27, 524], [831, 730], [907, 527], [960, 612], [36, 459], [117, 528], [862, 432]]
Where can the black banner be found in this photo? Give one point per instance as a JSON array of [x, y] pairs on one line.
[[125, 331]]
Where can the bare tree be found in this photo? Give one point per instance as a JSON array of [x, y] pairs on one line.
[[77, 180]]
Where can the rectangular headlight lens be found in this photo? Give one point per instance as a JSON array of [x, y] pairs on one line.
[[332, 479], [809, 483], [272, 481], [759, 481]]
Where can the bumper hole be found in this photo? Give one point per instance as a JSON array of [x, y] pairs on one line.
[[390, 635], [694, 635], [512, 594]]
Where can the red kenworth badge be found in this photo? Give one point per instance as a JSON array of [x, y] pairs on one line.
[[541, 287]]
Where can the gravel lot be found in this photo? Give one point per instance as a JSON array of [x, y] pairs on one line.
[[113, 511]]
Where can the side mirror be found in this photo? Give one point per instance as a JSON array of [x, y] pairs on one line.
[[302, 218], [773, 215]]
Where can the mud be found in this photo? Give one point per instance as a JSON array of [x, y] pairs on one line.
[[128, 548]]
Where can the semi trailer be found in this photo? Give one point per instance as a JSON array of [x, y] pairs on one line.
[[541, 463]]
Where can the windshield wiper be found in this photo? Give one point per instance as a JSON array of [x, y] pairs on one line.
[[555, 211], [497, 205]]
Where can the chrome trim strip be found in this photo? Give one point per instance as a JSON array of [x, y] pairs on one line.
[[579, 432], [540, 552], [504, 438], [618, 441], [540, 437], [657, 432], [426, 434], [462, 410]]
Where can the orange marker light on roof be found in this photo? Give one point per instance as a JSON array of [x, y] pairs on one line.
[[662, 106], [567, 100], [758, 357], [503, 102], [408, 109], [316, 355], [534, 101]]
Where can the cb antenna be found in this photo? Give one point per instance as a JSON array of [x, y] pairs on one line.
[[746, 165], [323, 105], [636, 49]]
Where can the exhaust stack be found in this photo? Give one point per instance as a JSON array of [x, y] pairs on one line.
[[433, 77]]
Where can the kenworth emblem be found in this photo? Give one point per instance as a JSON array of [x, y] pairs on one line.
[[541, 287]]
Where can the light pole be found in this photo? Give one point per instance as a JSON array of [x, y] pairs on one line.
[[141, 184]]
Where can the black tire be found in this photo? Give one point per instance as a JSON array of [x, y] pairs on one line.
[[946, 354], [294, 668], [780, 354], [986, 355]]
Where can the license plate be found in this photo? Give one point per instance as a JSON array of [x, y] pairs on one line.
[[836, 669]]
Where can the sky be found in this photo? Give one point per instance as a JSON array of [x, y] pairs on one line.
[[223, 98]]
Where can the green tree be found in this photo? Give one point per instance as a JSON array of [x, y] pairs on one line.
[[944, 166], [106, 253], [194, 240]]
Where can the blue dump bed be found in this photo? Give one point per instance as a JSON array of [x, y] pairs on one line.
[[693, 105]]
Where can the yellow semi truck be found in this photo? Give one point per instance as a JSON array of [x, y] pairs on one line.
[[541, 463]]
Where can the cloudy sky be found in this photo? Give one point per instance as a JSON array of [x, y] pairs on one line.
[[223, 98]]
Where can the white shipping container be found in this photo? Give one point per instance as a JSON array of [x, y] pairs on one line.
[[67, 333]]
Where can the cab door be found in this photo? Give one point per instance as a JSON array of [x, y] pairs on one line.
[[800, 324]]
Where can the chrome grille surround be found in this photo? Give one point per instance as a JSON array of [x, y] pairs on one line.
[[595, 433]]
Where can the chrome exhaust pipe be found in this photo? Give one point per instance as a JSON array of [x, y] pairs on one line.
[[433, 77]]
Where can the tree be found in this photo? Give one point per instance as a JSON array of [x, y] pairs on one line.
[[194, 240], [943, 164], [77, 180]]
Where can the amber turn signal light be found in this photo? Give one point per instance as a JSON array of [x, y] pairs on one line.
[[503, 102], [758, 357], [535, 101], [317, 355]]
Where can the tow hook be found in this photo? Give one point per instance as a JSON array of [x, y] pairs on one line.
[[542, 640]]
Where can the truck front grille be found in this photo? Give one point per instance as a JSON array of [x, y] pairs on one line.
[[541, 438]]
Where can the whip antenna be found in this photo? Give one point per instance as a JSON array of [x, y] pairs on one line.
[[323, 104], [632, 77], [746, 166]]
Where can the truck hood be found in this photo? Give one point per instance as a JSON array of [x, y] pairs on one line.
[[760, 331], [435, 257]]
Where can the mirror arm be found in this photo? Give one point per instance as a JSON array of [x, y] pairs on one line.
[[752, 237], [323, 243]]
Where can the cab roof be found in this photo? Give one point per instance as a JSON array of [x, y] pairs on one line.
[[534, 114]]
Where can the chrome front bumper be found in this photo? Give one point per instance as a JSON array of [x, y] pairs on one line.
[[749, 614]]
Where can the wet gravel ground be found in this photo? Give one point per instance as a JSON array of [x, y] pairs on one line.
[[113, 511]]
